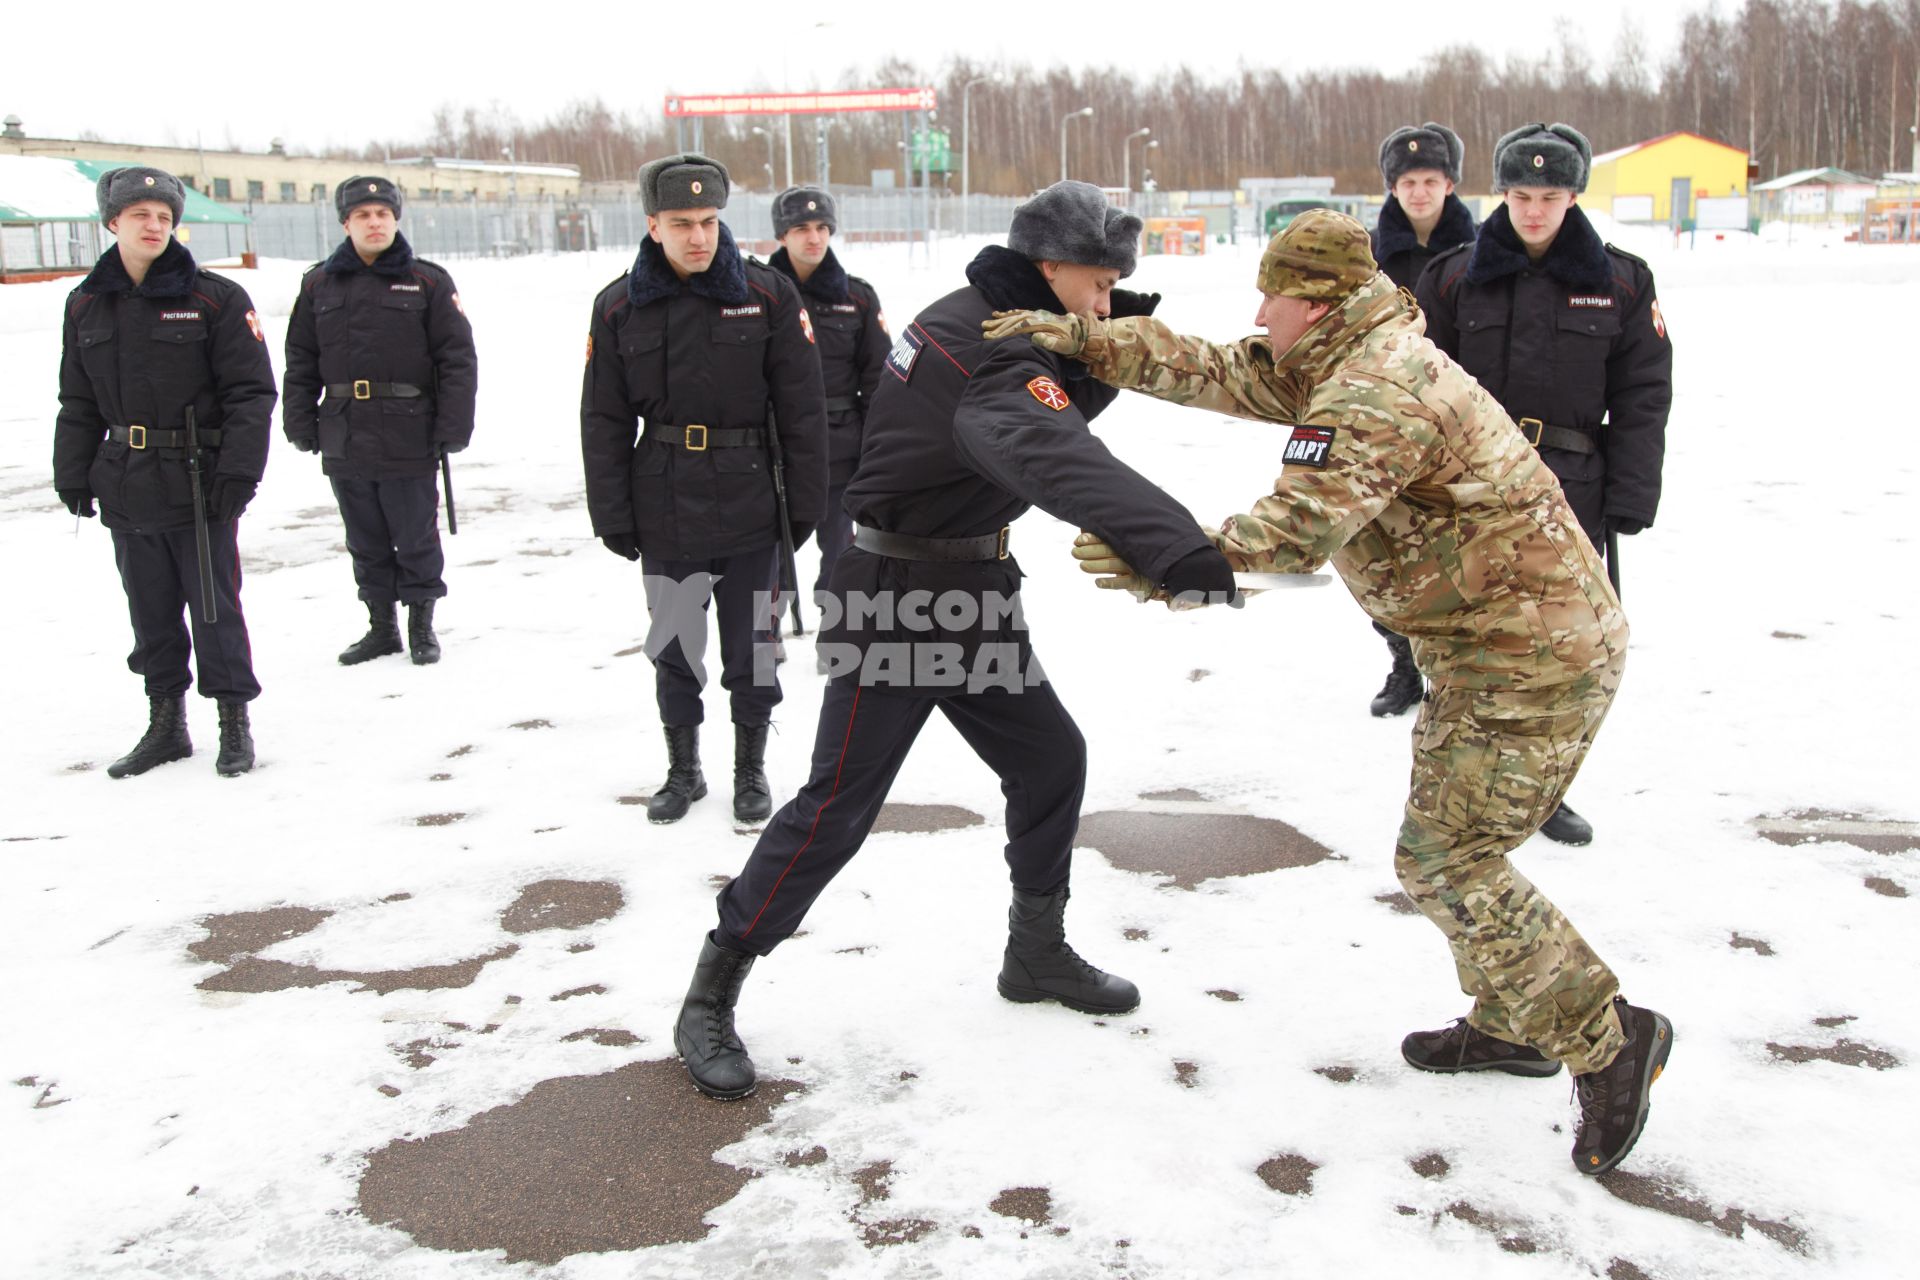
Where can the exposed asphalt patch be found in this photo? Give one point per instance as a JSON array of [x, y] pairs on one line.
[[916, 819], [254, 976], [1673, 1198], [562, 904], [1759, 946], [1807, 826], [874, 1182], [1289, 1173], [1848, 1053], [241, 933], [1031, 1205], [1399, 903], [1192, 847]]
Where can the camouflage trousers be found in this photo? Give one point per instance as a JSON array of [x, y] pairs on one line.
[[1489, 766]]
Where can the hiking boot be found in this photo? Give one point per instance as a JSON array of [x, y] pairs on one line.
[[704, 1034], [1564, 826], [165, 739], [382, 638], [685, 783], [1039, 965], [1460, 1047], [1403, 688], [421, 642], [1613, 1102], [236, 740]]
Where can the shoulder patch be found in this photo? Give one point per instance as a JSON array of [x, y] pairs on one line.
[[900, 359], [1048, 393], [1308, 447], [253, 323], [806, 324], [1659, 321]]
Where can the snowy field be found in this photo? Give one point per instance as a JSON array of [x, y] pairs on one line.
[[171, 1112]]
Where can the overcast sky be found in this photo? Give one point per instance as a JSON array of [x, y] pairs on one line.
[[246, 73]]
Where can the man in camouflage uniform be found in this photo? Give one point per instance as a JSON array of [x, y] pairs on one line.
[[1448, 529]]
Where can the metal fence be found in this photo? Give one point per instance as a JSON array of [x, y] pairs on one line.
[[476, 229]]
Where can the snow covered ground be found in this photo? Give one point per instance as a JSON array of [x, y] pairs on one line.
[[149, 1127]]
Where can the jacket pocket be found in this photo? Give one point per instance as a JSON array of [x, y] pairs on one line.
[[96, 354], [643, 356], [406, 428], [332, 428], [107, 476], [745, 490]]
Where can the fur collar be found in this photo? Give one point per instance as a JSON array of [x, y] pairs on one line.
[[724, 280], [1396, 235], [171, 275], [828, 281], [1576, 258], [395, 260], [1010, 281]]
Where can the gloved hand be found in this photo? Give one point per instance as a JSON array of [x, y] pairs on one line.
[[1626, 526], [450, 446], [229, 496], [801, 531], [305, 444], [622, 544], [1064, 335], [1128, 303], [78, 501], [1200, 578], [1096, 557]]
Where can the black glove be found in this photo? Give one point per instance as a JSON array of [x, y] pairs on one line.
[[79, 501], [450, 446], [1625, 525], [622, 544], [1128, 303], [229, 496], [305, 444], [801, 531], [1205, 572]]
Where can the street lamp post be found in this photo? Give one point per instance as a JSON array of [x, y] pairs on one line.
[[966, 138], [1126, 157], [768, 135], [1070, 116]]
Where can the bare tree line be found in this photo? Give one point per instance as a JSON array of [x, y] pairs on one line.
[[1796, 83]]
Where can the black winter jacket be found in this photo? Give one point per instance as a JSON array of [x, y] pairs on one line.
[[138, 356], [396, 321], [853, 342], [965, 435], [1397, 248], [1575, 340], [716, 350]]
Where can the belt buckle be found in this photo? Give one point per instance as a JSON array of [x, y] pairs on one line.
[[1533, 438], [362, 389], [691, 446], [1001, 553], [136, 436]]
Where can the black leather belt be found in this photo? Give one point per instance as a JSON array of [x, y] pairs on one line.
[[695, 438], [902, 546], [139, 437], [842, 404], [361, 389], [1542, 436]]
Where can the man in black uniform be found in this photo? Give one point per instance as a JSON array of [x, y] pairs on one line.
[[1421, 219], [164, 368], [923, 612], [853, 341], [382, 333], [1565, 332], [710, 349]]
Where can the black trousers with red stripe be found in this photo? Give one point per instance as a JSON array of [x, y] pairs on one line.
[[1027, 738], [161, 573]]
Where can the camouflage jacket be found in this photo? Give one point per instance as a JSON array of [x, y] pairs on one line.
[[1409, 477]]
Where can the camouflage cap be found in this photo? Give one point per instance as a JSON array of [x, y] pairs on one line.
[[1321, 254]]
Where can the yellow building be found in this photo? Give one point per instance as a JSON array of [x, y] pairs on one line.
[[1649, 181]]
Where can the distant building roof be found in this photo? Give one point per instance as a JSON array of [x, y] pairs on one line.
[[1606, 157], [1828, 176]]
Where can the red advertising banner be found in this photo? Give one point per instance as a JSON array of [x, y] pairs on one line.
[[800, 104]]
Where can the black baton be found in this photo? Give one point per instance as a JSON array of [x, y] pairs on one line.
[[789, 574], [201, 546], [446, 484], [1613, 559]]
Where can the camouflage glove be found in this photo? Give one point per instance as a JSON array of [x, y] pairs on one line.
[[1078, 336], [1097, 557]]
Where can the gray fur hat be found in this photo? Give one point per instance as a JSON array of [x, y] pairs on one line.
[[1430, 146], [1542, 155], [688, 180], [796, 205], [119, 188], [1072, 222], [364, 189]]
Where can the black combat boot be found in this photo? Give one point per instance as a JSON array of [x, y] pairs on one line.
[[382, 638], [1039, 965], [685, 783], [165, 739], [1564, 826], [704, 1035], [1403, 688], [1614, 1100], [424, 645], [752, 799], [236, 740], [1464, 1048]]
